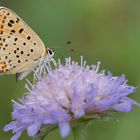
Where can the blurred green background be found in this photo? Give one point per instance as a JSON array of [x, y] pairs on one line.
[[100, 30]]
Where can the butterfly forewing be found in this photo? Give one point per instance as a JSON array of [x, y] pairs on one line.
[[20, 47]]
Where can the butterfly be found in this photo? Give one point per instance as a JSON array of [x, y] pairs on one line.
[[21, 49]]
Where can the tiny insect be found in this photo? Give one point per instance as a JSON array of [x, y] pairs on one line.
[[21, 49]]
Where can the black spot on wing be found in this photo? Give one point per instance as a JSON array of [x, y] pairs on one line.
[[12, 21], [21, 30]]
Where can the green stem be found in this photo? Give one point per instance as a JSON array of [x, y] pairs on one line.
[[78, 132]]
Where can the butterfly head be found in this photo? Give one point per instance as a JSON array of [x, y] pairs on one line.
[[48, 56], [50, 52]]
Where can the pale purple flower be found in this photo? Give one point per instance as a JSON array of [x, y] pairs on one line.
[[66, 94]]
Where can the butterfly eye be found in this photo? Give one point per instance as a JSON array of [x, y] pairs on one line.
[[50, 52]]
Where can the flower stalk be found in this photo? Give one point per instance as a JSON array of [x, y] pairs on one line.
[[77, 133]]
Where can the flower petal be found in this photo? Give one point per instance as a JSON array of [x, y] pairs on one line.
[[123, 107], [17, 135], [33, 129], [10, 126], [64, 129]]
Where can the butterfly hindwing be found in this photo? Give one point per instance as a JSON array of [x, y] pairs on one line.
[[16, 58]]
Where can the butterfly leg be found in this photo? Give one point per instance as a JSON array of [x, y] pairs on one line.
[[54, 62]]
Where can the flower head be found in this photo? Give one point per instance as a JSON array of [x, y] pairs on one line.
[[66, 94]]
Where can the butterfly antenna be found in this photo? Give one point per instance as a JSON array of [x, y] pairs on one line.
[[67, 44]]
